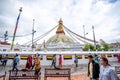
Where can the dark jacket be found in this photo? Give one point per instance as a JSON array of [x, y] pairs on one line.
[[96, 69]]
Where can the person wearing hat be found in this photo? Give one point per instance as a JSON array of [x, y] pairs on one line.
[[93, 69]]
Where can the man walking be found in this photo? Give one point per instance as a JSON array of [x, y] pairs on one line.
[[54, 61], [76, 61], [5, 60], [15, 62], [93, 69]]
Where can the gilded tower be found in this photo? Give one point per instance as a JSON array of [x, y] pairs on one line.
[[60, 27]]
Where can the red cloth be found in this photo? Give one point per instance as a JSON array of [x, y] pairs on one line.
[[118, 57], [60, 61], [29, 62]]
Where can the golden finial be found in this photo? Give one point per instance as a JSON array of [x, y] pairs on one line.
[[60, 21], [60, 27], [20, 9]]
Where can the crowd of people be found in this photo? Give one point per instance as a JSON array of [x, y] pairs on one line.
[[100, 69], [34, 62], [98, 66], [54, 61]]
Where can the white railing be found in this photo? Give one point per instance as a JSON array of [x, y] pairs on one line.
[[63, 52], [82, 60]]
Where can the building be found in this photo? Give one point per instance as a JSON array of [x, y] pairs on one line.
[[115, 46], [5, 47], [61, 42], [58, 42]]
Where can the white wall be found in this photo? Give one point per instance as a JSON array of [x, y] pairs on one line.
[[46, 62]]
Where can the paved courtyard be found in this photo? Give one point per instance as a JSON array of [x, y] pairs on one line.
[[79, 73]]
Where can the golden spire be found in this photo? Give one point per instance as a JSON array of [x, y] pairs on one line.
[[60, 28]]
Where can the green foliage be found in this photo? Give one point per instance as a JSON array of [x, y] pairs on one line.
[[91, 47], [103, 46], [87, 47], [98, 47]]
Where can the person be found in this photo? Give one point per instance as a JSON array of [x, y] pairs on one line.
[[0, 57], [34, 58], [54, 61], [93, 69], [118, 57], [19, 59], [76, 60], [29, 62], [15, 62], [39, 56], [106, 71], [37, 66], [60, 61], [5, 60], [96, 58]]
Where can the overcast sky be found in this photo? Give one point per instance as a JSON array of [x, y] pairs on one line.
[[103, 14]]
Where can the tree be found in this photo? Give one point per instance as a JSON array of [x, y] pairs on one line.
[[87, 47], [98, 47], [91, 47], [105, 46], [102, 46]]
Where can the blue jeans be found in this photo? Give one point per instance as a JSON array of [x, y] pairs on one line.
[[5, 62], [15, 67], [54, 64]]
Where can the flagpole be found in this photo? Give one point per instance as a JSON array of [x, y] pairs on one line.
[[16, 26], [33, 31], [44, 46], [84, 32], [5, 37], [94, 38]]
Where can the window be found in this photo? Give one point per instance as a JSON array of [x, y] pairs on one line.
[[4, 49]]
